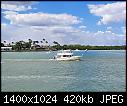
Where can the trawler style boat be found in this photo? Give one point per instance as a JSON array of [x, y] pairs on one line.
[[66, 55]]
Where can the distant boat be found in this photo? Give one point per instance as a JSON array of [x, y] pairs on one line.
[[77, 50], [86, 50], [66, 55]]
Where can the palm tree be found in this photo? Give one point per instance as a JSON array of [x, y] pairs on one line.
[[12, 43], [46, 42], [22, 44], [43, 39], [21, 41], [34, 42], [9, 44], [5, 43], [30, 41], [56, 43], [47, 45], [41, 43], [2, 45], [18, 45]]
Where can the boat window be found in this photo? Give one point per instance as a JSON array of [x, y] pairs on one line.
[[66, 55]]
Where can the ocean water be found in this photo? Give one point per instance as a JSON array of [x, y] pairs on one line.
[[98, 71]]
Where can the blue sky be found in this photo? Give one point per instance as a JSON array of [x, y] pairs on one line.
[[86, 23]]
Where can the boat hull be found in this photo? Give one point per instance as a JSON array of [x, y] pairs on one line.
[[73, 58]]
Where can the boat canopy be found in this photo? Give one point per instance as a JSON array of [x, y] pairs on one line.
[[64, 54]]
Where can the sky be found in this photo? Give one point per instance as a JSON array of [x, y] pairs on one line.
[[67, 22]]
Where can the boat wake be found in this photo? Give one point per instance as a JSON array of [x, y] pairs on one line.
[[26, 60]]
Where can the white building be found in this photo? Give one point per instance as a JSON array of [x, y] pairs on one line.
[[6, 48]]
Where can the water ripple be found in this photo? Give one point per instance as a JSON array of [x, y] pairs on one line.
[[34, 77]]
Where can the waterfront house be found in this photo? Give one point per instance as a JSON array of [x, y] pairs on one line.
[[6, 48]]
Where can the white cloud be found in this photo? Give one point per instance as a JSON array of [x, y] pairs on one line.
[[57, 29], [99, 23], [18, 2], [108, 32], [9, 12], [124, 30], [64, 35], [3, 24], [16, 6], [42, 19], [109, 28], [53, 27], [99, 32], [82, 27], [113, 12]]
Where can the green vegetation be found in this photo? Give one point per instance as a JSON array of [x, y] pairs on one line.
[[44, 46], [83, 47]]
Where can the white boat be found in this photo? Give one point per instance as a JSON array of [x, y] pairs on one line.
[[86, 50], [77, 50], [66, 55]]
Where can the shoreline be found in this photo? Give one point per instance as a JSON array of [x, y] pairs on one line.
[[58, 50]]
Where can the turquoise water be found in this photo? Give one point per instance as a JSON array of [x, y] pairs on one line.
[[98, 71]]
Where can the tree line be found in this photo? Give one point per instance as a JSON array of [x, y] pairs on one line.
[[89, 47], [33, 45]]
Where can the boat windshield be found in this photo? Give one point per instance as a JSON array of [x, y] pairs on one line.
[[66, 51], [67, 55], [58, 56]]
